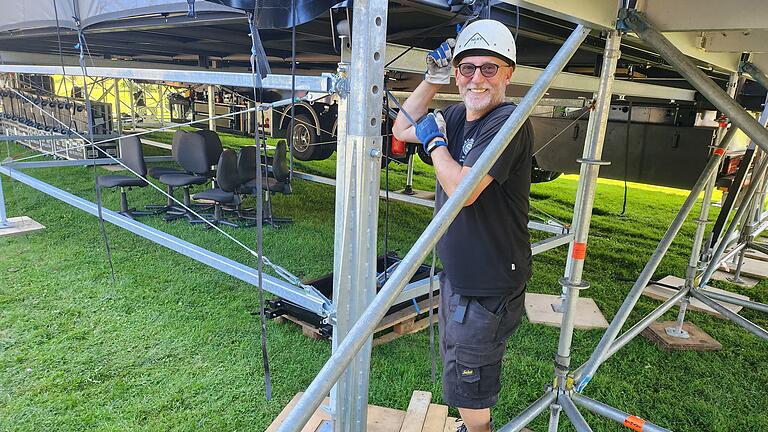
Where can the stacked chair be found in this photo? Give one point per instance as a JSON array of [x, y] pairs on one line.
[[277, 182], [132, 156], [227, 181], [194, 160], [201, 161]]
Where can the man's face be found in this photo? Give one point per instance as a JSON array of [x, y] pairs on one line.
[[480, 93]]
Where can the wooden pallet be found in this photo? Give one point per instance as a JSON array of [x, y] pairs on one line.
[[391, 327], [421, 416]]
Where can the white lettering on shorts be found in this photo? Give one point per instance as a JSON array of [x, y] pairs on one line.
[[513, 267]]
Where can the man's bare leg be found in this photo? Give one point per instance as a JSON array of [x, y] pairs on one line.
[[476, 420]]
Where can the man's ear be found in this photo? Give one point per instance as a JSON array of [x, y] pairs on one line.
[[509, 74]]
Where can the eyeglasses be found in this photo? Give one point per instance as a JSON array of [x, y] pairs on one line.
[[488, 70]]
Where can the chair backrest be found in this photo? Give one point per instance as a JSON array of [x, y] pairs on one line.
[[227, 176], [213, 144], [132, 154], [192, 154], [177, 137], [280, 168], [246, 164]]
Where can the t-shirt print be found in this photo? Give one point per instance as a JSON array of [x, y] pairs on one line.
[[468, 143]]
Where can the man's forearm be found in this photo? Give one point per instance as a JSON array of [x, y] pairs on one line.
[[450, 174], [416, 106], [447, 170]]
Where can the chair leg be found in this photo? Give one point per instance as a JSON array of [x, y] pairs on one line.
[[217, 219], [168, 205], [128, 211], [176, 212]]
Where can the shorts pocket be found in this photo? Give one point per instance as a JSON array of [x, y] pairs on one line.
[[478, 369]]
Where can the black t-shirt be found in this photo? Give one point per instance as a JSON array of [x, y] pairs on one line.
[[486, 250]]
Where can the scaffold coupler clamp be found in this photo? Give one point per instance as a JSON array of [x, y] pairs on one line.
[[590, 161], [566, 283], [339, 81]]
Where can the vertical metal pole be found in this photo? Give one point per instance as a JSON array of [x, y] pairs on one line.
[[358, 172], [586, 371], [118, 108], [753, 215], [701, 225], [409, 177], [160, 89], [585, 198], [211, 108], [133, 105], [3, 219]]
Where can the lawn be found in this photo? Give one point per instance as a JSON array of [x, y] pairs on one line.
[[173, 345]]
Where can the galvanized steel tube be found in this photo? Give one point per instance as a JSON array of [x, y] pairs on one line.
[[598, 356]]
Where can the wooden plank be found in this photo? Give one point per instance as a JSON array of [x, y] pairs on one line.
[[309, 330], [417, 411], [20, 225], [380, 419], [389, 337], [406, 314], [753, 267], [451, 424], [436, 416], [538, 308], [663, 293], [697, 340]]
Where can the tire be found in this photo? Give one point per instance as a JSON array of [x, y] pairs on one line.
[[304, 138], [539, 175], [423, 155]]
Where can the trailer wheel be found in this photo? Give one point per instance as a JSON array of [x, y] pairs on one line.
[[423, 155], [304, 139], [539, 175]]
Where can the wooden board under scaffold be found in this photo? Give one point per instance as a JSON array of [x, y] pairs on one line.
[[395, 325]]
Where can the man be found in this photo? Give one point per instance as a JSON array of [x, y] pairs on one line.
[[486, 251]]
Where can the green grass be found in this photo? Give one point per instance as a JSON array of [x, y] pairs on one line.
[[173, 345]]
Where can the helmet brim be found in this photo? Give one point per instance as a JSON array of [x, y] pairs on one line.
[[481, 52]]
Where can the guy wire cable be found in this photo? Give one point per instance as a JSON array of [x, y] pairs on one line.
[[89, 119], [259, 207]]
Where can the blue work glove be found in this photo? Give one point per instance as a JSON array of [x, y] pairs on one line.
[[431, 126], [439, 63]]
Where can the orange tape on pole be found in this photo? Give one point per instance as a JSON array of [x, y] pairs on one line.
[[634, 423], [719, 151], [579, 251]]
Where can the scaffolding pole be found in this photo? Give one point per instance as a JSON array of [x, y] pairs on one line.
[[738, 116], [358, 172], [365, 326]]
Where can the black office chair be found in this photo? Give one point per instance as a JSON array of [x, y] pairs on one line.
[[132, 156], [157, 172], [277, 179], [213, 147], [193, 158], [228, 181]]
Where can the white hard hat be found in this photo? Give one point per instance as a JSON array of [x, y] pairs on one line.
[[486, 37]]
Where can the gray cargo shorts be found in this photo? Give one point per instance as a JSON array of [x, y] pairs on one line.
[[473, 338]]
